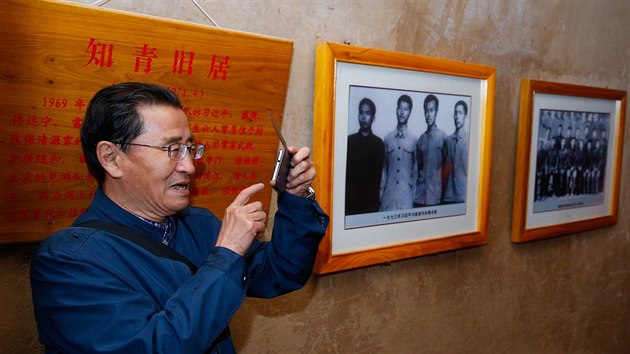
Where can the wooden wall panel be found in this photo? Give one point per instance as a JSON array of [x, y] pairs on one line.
[[54, 56]]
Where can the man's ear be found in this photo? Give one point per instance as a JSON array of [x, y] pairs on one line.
[[109, 155]]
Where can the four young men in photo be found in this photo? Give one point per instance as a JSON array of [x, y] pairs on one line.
[[415, 172]]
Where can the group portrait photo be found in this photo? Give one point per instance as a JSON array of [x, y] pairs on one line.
[[406, 151]]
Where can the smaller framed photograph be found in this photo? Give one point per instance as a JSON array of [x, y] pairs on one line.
[[568, 167], [403, 151]]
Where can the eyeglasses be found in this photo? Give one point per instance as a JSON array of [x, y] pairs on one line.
[[176, 151]]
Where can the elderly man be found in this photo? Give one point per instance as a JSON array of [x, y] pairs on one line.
[[97, 289]]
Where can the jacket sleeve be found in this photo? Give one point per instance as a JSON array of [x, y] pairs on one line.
[[94, 293], [285, 263], [121, 300]]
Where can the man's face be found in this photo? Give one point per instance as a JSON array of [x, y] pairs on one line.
[[430, 111], [459, 116], [156, 186], [402, 112], [366, 116]]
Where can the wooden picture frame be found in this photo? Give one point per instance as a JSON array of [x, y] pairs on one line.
[[397, 230], [567, 180]]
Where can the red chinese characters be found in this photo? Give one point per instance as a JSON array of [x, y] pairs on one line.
[[101, 54], [218, 68], [144, 58]]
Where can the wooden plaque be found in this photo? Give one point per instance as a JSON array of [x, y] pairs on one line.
[[54, 56]]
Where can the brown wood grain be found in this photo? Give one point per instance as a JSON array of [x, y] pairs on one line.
[[45, 54]]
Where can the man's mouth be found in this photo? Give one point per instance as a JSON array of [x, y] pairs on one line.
[[180, 186]]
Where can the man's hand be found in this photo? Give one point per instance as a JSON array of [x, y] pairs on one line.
[[302, 171], [242, 222]]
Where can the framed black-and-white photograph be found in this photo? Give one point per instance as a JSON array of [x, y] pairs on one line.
[[568, 160], [402, 146]]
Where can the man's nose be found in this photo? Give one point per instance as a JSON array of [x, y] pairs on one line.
[[186, 165]]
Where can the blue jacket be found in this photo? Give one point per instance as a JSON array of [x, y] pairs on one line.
[[98, 293]]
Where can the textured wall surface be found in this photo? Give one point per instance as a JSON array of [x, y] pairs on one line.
[[564, 295]]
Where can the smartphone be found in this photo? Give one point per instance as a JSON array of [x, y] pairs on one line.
[[281, 171], [283, 161]]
